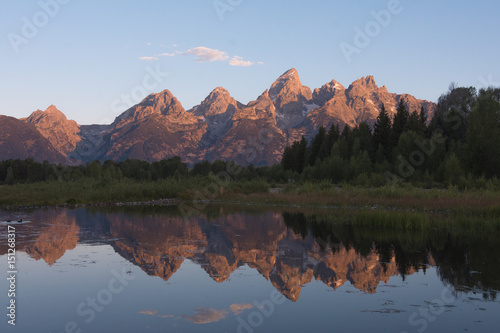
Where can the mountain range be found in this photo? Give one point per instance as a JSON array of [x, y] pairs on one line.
[[219, 128]]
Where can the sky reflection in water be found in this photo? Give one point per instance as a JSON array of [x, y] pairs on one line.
[[228, 270]]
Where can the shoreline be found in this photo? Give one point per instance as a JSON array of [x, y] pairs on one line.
[[352, 199]]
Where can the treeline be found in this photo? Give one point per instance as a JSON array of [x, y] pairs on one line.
[[29, 171], [459, 146]]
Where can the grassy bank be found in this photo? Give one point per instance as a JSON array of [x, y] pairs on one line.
[[403, 197], [89, 192], [483, 202]]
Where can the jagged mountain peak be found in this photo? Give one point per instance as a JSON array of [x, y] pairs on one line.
[[219, 90], [162, 103], [216, 94], [292, 73], [287, 81], [51, 112], [365, 82], [219, 101], [334, 85], [322, 95], [159, 127], [289, 97], [54, 126], [158, 99], [21, 139]]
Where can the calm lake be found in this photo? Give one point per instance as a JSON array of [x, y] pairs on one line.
[[227, 269]]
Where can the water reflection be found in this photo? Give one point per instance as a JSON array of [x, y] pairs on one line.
[[287, 249], [464, 259], [47, 235]]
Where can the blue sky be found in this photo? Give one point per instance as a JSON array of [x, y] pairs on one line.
[[93, 58]]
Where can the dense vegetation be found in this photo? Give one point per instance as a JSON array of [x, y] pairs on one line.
[[459, 148]]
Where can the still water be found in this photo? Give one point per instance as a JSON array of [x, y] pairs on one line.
[[242, 270]]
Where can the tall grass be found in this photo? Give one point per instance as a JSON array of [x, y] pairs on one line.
[[90, 192]]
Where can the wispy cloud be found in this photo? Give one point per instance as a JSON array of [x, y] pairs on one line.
[[206, 316], [204, 54], [238, 61], [148, 58]]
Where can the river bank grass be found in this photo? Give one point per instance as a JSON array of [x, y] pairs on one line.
[[480, 203]]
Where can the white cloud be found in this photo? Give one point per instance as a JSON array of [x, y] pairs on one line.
[[148, 58], [238, 61], [204, 54], [149, 44]]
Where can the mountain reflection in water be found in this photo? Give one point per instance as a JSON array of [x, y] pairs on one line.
[[287, 249]]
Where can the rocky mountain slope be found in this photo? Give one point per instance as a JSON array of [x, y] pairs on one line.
[[62, 133], [19, 139], [220, 127]]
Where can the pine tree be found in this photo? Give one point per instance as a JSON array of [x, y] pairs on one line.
[[334, 134], [400, 121], [324, 150], [483, 135], [382, 133], [414, 122], [287, 161], [316, 145], [300, 158], [364, 134], [346, 142], [346, 132], [452, 112], [423, 119]]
